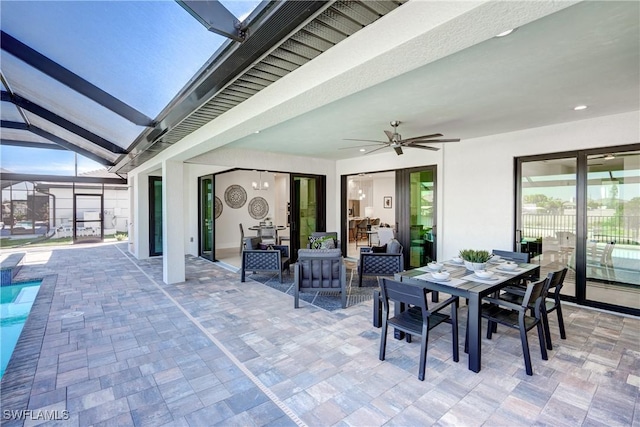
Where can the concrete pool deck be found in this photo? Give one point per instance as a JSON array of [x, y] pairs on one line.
[[111, 344]]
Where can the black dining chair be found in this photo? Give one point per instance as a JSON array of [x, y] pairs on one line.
[[414, 317], [515, 315], [555, 282], [242, 236], [512, 256]]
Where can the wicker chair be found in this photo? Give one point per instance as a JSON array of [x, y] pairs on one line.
[[275, 259], [385, 263]]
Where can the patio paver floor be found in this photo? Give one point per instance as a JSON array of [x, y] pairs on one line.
[[117, 346]]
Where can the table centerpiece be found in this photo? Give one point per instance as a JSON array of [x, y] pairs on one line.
[[475, 259]]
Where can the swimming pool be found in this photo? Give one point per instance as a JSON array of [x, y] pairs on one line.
[[15, 304]]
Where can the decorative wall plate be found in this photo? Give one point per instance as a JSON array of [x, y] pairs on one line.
[[217, 207], [258, 208], [235, 196]]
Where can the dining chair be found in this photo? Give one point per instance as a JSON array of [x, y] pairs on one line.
[[242, 236], [413, 317], [517, 257], [361, 231], [515, 316], [268, 235], [555, 282], [512, 256]]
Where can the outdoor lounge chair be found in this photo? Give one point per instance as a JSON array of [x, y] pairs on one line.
[[320, 270], [274, 258], [386, 263]]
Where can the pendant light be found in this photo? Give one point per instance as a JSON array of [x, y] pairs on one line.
[[260, 184]]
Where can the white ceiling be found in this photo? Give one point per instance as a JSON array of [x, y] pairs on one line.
[[588, 54]]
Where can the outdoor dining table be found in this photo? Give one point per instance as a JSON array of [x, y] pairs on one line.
[[463, 283], [259, 228]]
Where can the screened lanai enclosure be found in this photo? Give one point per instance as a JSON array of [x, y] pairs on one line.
[[107, 85], [88, 87]]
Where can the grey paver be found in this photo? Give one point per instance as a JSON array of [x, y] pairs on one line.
[[135, 358]]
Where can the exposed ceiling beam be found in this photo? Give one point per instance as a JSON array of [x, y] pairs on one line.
[[215, 17], [61, 121], [56, 71], [31, 144], [56, 139], [4, 176]]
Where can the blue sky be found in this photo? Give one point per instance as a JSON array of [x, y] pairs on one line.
[[142, 52]]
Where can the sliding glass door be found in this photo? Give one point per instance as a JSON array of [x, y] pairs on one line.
[[581, 210], [308, 210], [416, 214], [547, 228], [155, 215], [612, 240], [206, 217]]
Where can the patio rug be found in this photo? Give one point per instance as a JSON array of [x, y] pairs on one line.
[[326, 301]]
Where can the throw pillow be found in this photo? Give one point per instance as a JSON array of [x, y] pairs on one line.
[[393, 247], [322, 242], [379, 249]]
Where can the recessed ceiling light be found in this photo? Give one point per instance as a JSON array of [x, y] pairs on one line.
[[506, 33], [362, 150], [580, 107], [257, 131]]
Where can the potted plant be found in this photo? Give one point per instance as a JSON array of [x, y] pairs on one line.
[[475, 259]]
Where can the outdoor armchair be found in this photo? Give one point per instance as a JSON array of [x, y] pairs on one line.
[[320, 270], [386, 263], [274, 258]]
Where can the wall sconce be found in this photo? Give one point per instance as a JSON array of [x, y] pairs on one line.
[[260, 185]]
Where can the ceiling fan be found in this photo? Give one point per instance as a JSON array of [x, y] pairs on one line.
[[396, 142]]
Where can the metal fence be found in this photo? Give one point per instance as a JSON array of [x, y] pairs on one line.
[[623, 229]]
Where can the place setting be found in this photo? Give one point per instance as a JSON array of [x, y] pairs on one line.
[[455, 261], [435, 272], [509, 267], [484, 276]]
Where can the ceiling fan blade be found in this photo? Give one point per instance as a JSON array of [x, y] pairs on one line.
[[423, 147], [398, 149], [360, 146], [364, 140], [428, 141], [389, 135], [373, 151], [435, 135]]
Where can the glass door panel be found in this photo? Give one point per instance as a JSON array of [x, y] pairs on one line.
[[421, 217], [613, 229], [307, 210], [87, 215], [206, 218], [155, 216], [547, 220]]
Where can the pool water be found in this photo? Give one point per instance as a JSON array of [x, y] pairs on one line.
[[15, 305]]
